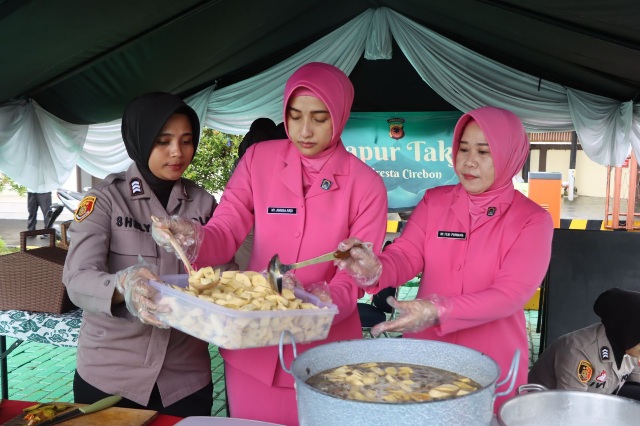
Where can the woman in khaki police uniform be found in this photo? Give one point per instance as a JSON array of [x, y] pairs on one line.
[[150, 365], [600, 358]]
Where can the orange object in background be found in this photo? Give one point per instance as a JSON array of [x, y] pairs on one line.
[[545, 188], [534, 303]]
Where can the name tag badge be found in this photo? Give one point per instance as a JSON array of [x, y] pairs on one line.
[[282, 210], [452, 235]]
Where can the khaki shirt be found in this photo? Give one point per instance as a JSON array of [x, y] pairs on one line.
[[117, 353], [583, 360]]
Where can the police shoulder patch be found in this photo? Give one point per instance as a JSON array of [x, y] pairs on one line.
[[136, 186], [605, 353], [85, 208], [585, 371]]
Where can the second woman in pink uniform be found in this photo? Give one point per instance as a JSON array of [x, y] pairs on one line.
[[303, 195], [483, 248]]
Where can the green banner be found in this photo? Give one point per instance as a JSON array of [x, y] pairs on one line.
[[411, 151]]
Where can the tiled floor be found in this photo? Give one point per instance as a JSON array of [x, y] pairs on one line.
[[39, 372]]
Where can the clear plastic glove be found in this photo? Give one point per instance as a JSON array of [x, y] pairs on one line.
[[414, 315], [188, 232], [290, 281], [133, 284], [362, 264], [320, 289]]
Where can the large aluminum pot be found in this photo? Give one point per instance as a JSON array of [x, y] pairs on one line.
[[476, 408], [536, 405]]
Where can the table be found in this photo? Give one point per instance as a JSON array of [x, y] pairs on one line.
[[10, 409], [52, 329]]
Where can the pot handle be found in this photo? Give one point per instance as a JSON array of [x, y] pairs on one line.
[[511, 375], [531, 387], [281, 349]]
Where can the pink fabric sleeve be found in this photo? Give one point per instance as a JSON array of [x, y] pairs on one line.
[[232, 220]]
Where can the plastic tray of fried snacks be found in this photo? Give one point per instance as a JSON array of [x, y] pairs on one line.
[[241, 311]]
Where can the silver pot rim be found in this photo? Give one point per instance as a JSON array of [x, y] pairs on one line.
[[535, 391], [492, 385]]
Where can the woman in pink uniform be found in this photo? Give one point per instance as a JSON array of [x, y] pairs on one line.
[[303, 195], [483, 248]]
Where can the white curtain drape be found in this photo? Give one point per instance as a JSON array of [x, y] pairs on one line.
[[37, 149], [607, 129], [104, 151]]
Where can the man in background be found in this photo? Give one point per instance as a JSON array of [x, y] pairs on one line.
[[35, 200]]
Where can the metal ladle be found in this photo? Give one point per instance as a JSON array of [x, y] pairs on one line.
[[276, 269]]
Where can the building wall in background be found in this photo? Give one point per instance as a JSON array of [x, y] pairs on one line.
[[591, 177]]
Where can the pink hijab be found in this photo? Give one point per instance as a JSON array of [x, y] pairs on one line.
[[509, 147], [331, 86]]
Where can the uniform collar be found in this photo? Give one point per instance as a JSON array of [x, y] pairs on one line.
[[326, 182], [461, 207], [139, 189], [605, 353]]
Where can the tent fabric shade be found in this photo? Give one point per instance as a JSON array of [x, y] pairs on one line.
[[82, 62], [98, 86]]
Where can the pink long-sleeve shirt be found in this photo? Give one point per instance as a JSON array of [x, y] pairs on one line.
[[486, 273], [265, 191]]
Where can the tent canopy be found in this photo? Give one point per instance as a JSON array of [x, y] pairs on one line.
[[83, 61]]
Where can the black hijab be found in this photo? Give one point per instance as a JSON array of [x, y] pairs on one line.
[[143, 119], [618, 310]]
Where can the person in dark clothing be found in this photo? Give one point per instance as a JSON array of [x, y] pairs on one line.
[[262, 129], [600, 358], [35, 200], [281, 133]]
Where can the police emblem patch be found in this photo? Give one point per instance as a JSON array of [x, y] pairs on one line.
[[585, 371], [85, 208], [136, 186], [396, 128]]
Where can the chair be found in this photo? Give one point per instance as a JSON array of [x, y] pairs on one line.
[[64, 238], [376, 312], [34, 268]]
